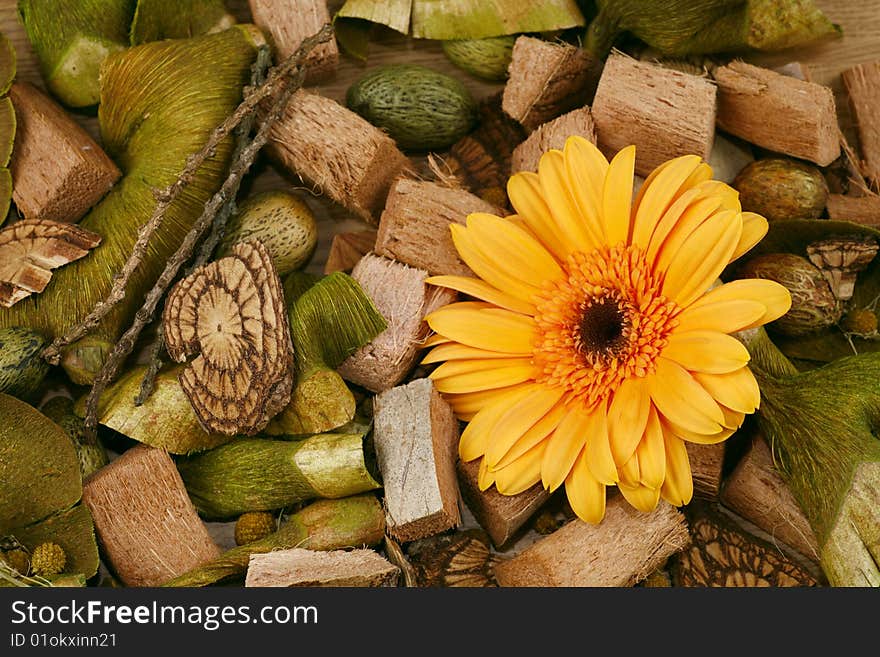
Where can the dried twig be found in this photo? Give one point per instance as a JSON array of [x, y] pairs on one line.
[[242, 133], [278, 79], [237, 170]]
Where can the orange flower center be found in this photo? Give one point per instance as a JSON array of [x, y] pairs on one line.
[[604, 322]]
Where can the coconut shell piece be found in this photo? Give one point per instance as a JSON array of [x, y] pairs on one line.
[[31, 249], [840, 259], [231, 312]]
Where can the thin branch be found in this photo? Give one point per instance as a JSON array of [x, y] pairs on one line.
[[238, 169], [164, 198]]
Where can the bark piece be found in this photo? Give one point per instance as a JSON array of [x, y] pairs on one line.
[[399, 292], [663, 112], [840, 259], [757, 492], [58, 170], [722, 554], [623, 549], [338, 152], [348, 248], [288, 22], [457, 559], [481, 160], [778, 112], [858, 209], [862, 84], [500, 515], [231, 313], [300, 567], [30, 249], [416, 439], [149, 529], [706, 462], [546, 79], [552, 135], [414, 227]]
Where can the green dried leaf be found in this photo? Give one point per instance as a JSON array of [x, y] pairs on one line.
[[7, 130], [74, 531], [155, 20], [7, 64]]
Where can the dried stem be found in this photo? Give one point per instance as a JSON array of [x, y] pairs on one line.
[[238, 169], [278, 79], [242, 132]]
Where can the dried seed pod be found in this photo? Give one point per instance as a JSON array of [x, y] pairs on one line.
[[31, 249], [840, 259], [462, 558], [813, 305], [781, 189], [231, 312]]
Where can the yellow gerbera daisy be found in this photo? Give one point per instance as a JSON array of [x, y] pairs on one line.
[[596, 344]]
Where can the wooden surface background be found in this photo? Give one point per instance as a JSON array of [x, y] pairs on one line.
[[861, 43]]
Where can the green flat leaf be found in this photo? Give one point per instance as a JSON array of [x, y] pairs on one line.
[[155, 20], [353, 36], [7, 130], [74, 531], [7, 64]]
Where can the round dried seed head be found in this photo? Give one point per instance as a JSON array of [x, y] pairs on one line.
[[48, 559]]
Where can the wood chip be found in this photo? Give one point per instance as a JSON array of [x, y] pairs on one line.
[[778, 112], [863, 210], [664, 113], [722, 554], [862, 84], [707, 462], [30, 249], [458, 559], [348, 248], [550, 135], [301, 567], [231, 313]]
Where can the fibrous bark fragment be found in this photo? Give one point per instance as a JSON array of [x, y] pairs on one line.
[[31, 249], [231, 312], [840, 259], [348, 248]]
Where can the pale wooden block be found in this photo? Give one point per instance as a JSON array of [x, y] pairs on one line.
[[663, 112], [622, 550], [778, 112], [553, 134], [301, 567], [858, 209], [416, 439], [862, 84]]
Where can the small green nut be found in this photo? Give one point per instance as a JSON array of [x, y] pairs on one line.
[[282, 222], [487, 58], [17, 559], [813, 304], [253, 526], [780, 189], [83, 359], [22, 368], [48, 559]]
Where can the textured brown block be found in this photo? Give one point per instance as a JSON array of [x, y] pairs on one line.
[[553, 135]]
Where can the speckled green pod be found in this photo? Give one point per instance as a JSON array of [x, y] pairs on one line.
[[22, 370], [485, 58], [90, 452], [420, 108], [282, 222], [780, 189]]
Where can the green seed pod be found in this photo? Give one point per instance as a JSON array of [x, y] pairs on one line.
[[7, 64], [92, 455], [22, 370], [781, 189], [282, 222], [485, 58], [813, 305], [420, 108]]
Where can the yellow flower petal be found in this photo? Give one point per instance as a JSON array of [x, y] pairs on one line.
[[738, 390], [755, 227], [512, 250], [455, 351], [563, 447], [468, 403], [586, 168], [597, 451], [484, 328], [453, 368], [725, 316], [702, 257], [680, 398], [640, 496], [434, 339], [485, 478], [678, 487], [481, 290], [484, 267], [537, 433], [524, 191], [475, 437], [662, 187], [581, 231], [693, 437], [585, 493], [521, 474], [652, 454], [683, 216], [706, 351], [775, 298], [617, 196], [486, 379], [627, 417], [519, 419], [630, 473]]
